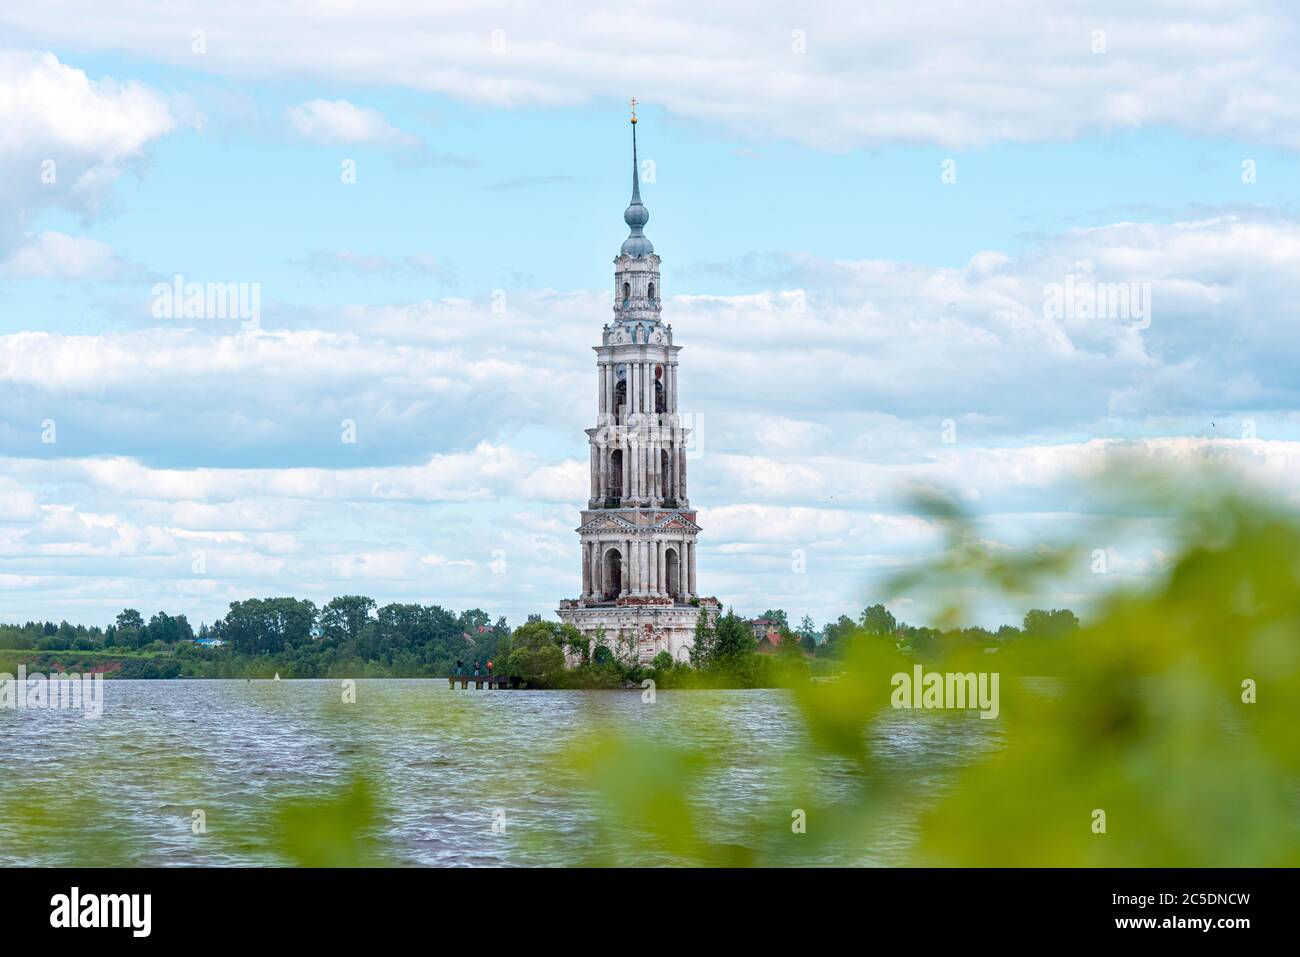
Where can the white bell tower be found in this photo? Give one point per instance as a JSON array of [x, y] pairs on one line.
[[638, 532]]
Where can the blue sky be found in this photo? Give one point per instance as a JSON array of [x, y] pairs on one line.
[[839, 302]]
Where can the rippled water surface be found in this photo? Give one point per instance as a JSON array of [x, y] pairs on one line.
[[444, 762]]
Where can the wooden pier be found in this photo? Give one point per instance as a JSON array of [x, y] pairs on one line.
[[493, 682]]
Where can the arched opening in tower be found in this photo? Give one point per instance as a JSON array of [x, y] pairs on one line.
[[674, 566], [620, 398], [627, 292], [616, 473], [613, 573], [651, 295], [666, 480], [661, 397]]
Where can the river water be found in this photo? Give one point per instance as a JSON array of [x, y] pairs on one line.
[[449, 764]]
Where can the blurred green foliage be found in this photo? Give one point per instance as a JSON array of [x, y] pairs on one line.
[[1173, 716], [338, 830]]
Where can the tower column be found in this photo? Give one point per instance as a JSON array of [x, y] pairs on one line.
[[648, 479], [629, 470], [686, 569], [661, 449], [633, 472], [586, 573], [661, 456], [638, 576], [641, 567], [655, 493], [669, 492], [663, 567], [625, 447], [681, 475], [681, 571], [636, 466], [656, 468], [691, 569], [640, 465]]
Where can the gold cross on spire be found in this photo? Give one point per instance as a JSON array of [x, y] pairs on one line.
[[634, 109]]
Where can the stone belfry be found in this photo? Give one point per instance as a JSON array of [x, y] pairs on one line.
[[638, 532]]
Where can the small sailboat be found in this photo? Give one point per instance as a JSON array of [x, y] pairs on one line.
[[277, 676]]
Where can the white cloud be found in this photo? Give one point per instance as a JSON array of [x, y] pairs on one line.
[[55, 255], [66, 138], [17, 504], [932, 71], [338, 122]]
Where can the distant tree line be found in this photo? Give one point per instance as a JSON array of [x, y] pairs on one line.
[[349, 635], [130, 632], [352, 636], [877, 620]]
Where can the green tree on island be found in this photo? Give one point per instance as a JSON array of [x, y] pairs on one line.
[[835, 636], [702, 647], [732, 637], [877, 620], [807, 632], [536, 650], [344, 618], [1054, 623]]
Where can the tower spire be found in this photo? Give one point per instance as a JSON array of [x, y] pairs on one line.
[[636, 215], [636, 182]]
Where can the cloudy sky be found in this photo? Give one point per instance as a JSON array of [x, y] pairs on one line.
[[879, 231]]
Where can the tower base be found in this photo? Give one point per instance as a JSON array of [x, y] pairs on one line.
[[637, 632]]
